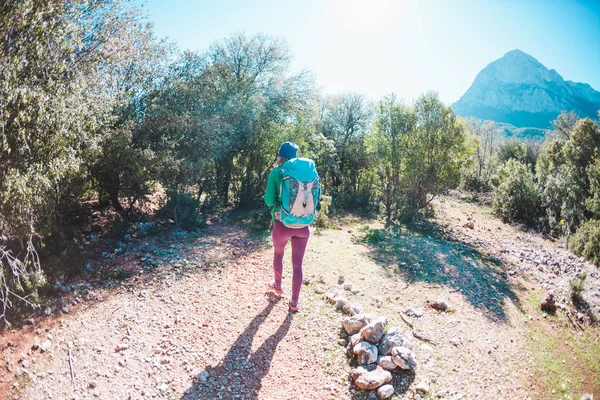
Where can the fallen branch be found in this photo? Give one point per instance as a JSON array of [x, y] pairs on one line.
[[432, 286], [576, 325], [406, 320], [415, 332], [456, 290], [409, 282], [71, 367]]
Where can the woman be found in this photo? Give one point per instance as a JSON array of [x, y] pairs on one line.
[[281, 233]]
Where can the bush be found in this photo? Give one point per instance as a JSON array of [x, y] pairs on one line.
[[515, 196], [183, 209], [586, 241], [322, 220], [577, 284]]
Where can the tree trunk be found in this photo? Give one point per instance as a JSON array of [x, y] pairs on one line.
[[224, 169]]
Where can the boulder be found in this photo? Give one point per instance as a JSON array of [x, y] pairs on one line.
[[365, 352], [374, 331], [386, 362], [368, 377], [394, 338], [355, 323], [404, 358]]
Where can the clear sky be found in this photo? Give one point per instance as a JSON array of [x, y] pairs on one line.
[[377, 47]]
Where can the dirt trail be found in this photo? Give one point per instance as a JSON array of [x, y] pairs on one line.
[[202, 327]]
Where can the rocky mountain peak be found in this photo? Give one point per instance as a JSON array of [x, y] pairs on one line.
[[519, 90]]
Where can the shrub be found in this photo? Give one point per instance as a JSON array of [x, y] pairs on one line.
[[183, 209], [586, 241], [322, 221], [577, 284], [515, 196]]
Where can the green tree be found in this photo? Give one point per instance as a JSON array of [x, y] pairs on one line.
[[563, 176], [394, 122], [515, 195], [54, 101], [433, 153]]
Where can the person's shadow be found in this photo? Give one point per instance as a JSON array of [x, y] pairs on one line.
[[240, 373]]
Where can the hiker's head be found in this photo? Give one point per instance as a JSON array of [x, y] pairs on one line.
[[287, 151]]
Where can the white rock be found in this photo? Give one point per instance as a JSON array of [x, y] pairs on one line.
[[46, 346], [386, 362], [404, 358], [385, 391], [422, 386], [374, 331], [369, 377], [366, 353], [352, 325]]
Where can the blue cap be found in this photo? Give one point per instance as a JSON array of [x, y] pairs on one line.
[[288, 150]]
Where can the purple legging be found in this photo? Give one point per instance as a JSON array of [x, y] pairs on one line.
[[281, 235]]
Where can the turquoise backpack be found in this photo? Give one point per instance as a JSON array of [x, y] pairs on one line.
[[300, 191]]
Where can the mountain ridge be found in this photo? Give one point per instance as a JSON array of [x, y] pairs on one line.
[[519, 90]]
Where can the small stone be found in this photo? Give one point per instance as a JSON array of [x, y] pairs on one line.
[[203, 376], [36, 343], [65, 310], [385, 391], [342, 342], [45, 346], [415, 312], [455, 341], [370, 376], [26, 363], [352, 309], [440, 305], [163, 387], [366, 353], [348, 286], [332, 296], [48, 311], [121, 347], [92, 384], [340, 302], [341, 279], [587, 396], [319, 289], [306, 281], [422, 386]]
